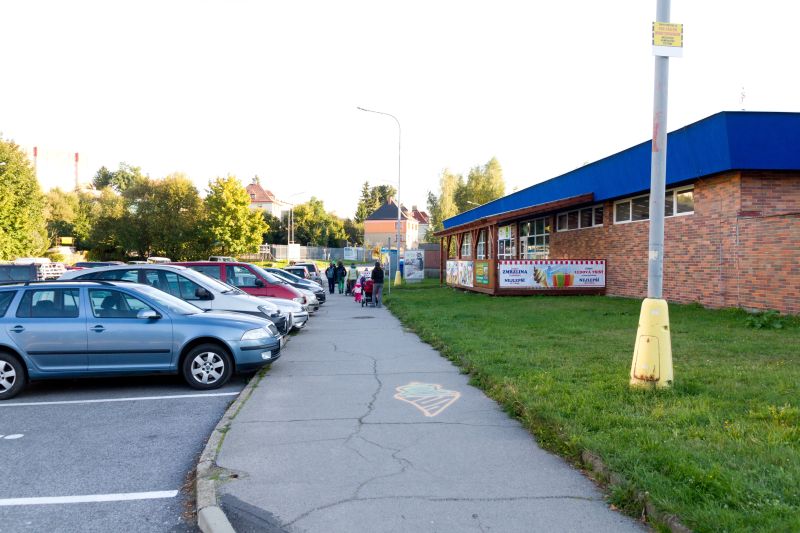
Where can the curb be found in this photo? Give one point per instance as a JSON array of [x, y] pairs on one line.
[[210, 516]]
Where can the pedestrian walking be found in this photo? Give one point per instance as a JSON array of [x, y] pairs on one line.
[[330, 273], [352, 277], [377, 287], [341, 276]]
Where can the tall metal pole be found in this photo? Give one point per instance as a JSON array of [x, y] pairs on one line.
[[399, 136], [658, 167]]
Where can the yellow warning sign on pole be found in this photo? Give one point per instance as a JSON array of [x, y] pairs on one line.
[[667, 39]]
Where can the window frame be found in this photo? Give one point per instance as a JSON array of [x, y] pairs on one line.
[[673, 193], [466, 244], [543, 248], [480, 246], [579, 213]]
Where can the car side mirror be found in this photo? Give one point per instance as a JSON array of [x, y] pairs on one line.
[[259, 283], [203, 294], [147, 314]]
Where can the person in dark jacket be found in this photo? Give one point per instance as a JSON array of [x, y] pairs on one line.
[[377, 284], [341, 276], [330, 273]]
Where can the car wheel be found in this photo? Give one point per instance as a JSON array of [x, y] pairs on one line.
[[207, 366], [12, 376]]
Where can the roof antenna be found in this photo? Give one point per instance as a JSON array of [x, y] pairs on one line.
[[741, 99]]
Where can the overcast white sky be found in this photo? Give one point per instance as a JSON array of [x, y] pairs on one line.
[[271, 88]]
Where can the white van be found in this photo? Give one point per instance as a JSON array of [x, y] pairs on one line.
[[158, 260], [196, 288]]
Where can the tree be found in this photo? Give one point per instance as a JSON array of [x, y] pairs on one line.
[[125, 177], [106, 225], [23, 231], [276, 228], [484, 184], [314, 226], [174, 211], [371, 199], [444, 206], [61, 211], [354, 232], [230, 226]]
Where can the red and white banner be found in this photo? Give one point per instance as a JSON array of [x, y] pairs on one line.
[[552, 274]]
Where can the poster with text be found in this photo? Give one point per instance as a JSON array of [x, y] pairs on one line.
[[465, 273], [414, 265], [452, 273], [552, 274], [482, 273]]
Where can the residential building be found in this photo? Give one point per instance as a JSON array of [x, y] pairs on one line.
[[423, 221], [264, 200], [380, 228]]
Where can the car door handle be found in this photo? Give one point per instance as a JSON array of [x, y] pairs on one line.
[[17, 329], [98, 328]]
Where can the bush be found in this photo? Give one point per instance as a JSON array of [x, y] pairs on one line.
[[765, 320]]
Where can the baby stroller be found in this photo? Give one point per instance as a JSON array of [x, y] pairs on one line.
[[366, 297]]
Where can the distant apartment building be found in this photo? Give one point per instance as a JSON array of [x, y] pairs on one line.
[[380, 228]]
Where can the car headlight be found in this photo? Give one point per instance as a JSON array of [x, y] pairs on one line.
[[300, 299], [255, 334], [269, 312]]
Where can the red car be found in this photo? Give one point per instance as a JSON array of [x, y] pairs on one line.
[[250, 278]]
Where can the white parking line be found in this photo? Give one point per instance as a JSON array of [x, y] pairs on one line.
[[132, 399], [89, 498]]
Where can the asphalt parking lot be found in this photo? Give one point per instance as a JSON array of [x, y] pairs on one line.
[[99, 455]]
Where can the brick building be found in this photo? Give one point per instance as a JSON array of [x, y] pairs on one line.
[[731, 234], [380, 227]]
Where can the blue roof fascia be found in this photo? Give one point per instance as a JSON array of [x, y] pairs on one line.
[[724, 141]]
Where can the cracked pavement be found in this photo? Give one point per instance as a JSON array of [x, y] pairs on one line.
[[323, 445]]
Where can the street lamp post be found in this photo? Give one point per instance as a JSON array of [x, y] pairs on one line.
[[399, 136]]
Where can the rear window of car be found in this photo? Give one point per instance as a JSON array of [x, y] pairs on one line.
[[208, 270], [5, 301], [116, 275], [49, 303]]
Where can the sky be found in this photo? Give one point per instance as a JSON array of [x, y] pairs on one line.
[[268, 88]]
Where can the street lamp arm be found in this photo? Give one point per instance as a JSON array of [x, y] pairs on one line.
[[381, 113]]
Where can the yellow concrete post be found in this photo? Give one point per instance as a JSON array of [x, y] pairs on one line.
[[397, 278], [652, 354]]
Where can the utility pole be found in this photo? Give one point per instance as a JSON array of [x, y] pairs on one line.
[[652, 355]]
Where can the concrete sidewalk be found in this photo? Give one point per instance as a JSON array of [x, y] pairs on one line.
[[361, 427]]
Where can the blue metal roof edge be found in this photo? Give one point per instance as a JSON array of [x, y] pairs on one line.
[[728, 140]]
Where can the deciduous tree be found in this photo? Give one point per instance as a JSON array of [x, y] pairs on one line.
[[23, 231], [230, 226]]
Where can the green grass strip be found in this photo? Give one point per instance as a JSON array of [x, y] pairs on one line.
[[720, 450]]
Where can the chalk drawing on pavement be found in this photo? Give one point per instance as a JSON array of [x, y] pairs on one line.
[[429, 398]]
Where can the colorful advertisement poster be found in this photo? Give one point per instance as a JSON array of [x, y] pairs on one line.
[[452, 273], [552, 274], [465, 273], [414, 265], [482, 273], [459, 273]]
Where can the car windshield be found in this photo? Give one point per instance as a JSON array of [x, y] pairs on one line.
[[166, 300], [288, 276], [271, 278]]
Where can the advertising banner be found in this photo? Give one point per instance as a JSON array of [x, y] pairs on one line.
[[482, 273], [452, 273], [349, 253], [465, 273], [459, 273], [414, 265], [552, 274]]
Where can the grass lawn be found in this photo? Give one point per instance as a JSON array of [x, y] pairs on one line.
[[720, 450]]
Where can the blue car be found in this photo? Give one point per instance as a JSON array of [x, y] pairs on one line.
[[68, 329]]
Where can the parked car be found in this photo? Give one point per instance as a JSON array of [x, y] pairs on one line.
[[10, 272], [226, 258], [256, 282], [158, 260], [299, 283], [299, 271], [192, 286], [313, 270], [67, 329]]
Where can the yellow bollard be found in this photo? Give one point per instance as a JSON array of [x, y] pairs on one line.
[[397, 278], [652, 354]]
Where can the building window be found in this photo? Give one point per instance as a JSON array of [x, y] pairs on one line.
[[534, 239], [506, 242], [677, 202], [588, 217], [480, 248], [466, 245]]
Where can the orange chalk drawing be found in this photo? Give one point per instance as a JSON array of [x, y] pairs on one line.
[[429, 398]]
